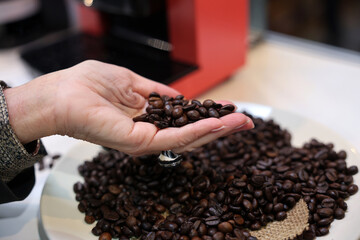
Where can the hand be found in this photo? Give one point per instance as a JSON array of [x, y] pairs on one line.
[[96, 102]]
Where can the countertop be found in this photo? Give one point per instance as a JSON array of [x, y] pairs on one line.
[[309, 79]]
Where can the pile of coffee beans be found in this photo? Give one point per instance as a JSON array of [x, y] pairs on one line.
[[220, 191], [164, 111]]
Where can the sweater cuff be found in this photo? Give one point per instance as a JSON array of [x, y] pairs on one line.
[[14, 157]]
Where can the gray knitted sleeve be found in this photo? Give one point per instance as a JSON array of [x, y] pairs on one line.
[[14, 157]]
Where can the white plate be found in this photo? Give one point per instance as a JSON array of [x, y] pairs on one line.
[[60, 218]]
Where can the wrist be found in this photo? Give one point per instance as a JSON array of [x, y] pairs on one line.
[[30, 110]]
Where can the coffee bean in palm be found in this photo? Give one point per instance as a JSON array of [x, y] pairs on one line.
[[177, 112], [203, 111], [161, 124], [228, 107], [193, 115], [181, 121], [208, 103], [189, 107], [223, 112], [168, 109], [156, 111], [196, 102], [213, 113], [141, 118]]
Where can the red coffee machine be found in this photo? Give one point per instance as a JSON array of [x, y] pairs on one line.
[[192, 45]]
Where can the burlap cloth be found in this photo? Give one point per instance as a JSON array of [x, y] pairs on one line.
[[294, 225]]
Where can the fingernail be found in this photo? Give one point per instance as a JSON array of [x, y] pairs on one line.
[[244, 124], [218, 129]]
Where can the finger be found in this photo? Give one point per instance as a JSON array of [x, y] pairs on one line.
[[179, 138], [214, 135], [145, 86]]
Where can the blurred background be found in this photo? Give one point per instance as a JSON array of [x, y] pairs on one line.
[[158, 38], [332, 22]]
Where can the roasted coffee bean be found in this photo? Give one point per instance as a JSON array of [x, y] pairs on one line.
[[228, 107], [168, 109], [233, 191], [161, 124], [225, 227], [281, 216], [213, 113], [325, 212], [208, 103], [324, 221], [89, 219], [218, 236], [255, 226], [352, 170], [183, 196], [339, 213], [141, 118], [257, 180], [181, 121], [96, 231], [278, 207], [105, 236], [111, 215], [157, 111], [352, 189], [130, 221], [189, 107], [247, 205], [203, 112], [196, 102], [177, 112], [193, 115], [327, 202], [223, 112], [171, 226], [323, 231], [331, 176], [160, 208], [239, 220], [212, 221]]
